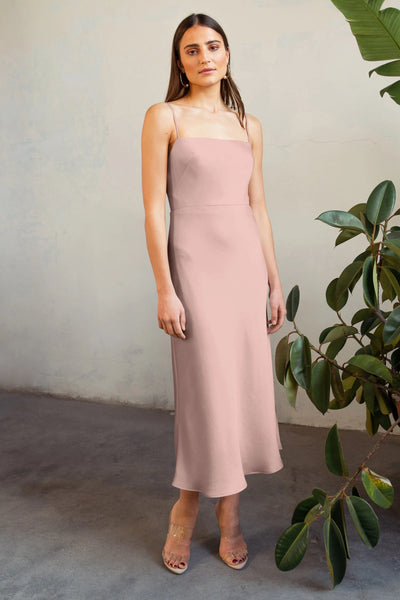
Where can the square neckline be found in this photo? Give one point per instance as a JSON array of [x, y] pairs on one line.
[[184, 137], [187, 137]]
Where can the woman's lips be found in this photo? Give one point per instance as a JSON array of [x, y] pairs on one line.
[[207, 71]]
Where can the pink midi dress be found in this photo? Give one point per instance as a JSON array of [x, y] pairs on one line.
[[225, 418]]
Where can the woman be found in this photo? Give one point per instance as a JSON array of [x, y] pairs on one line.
[[212, 277]]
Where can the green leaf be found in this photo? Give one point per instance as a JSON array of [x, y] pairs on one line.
[[303, 508], [337, 513], [388, 291], [338, 403], [348, 278], [377, 32], [383, 401], [364, 519], [282, 358], [291, 546], [335, 551], [291, 386], [370, 282], [393, 280], [378, 488], [391, 330], [292, 303], [336, 383], [381, 202], [342, 219], [331, 296], [345, 235], [393, 245], [390, 69], [300, 361], [321, 385], [369, 396], [371, 423], [320, 495], [334, 457], [370, 364], [339, 331], [361, 315], [393, 90], [335, 347]]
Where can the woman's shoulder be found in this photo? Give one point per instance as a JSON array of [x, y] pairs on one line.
[[253, 121], [159, 109]]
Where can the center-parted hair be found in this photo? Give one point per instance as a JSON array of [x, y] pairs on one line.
[[229, 91]]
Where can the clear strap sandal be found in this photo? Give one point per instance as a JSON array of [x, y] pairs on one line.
[[236, 559], [178, 562]]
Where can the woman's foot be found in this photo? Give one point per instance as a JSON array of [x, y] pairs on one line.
[[232, 547], [176, 551]]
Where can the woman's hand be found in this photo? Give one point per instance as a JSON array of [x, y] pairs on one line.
[[278, 310], [171, 315]]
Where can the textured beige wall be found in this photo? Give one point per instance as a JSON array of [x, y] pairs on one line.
[[78, 302]]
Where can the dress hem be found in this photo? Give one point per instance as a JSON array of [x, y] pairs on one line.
[[229, 493]]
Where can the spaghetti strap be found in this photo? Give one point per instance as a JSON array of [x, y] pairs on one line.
[[173, 114]]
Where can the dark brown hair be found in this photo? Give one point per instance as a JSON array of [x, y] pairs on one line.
[[229, 91]]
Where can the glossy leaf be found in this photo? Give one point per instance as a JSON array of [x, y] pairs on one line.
[[364, 519], [291, 386], [393, 280], [335, 551], [361, 315], [336, 383], [321, 385], [339, 331], [371, 422], [370, 282], [335, 347], [334, 457], [291, 546], [370, 364], [300, 361], [292, 303], [348, 278], [331, 296], [381, 202], [342, 219], [388, 293], [282, 358], [391, 330], [345, 235], [369, 396], [378, 488], [337, 514], [383, 401], [320, 495], [303, 508], [339, 403]]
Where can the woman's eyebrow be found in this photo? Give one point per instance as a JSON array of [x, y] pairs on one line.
[[210, 42]]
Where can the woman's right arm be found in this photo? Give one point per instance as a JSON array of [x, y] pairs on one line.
[[156, 134]]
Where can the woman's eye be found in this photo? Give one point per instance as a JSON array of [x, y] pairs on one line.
[[214, 47]]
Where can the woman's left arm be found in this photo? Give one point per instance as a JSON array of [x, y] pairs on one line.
[[258, 205]]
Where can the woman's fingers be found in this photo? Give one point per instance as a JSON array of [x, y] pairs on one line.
[[173, 327]]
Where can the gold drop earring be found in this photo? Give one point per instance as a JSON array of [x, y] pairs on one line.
[[181, 80]]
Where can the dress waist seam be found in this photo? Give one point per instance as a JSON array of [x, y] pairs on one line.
[[193, 206]]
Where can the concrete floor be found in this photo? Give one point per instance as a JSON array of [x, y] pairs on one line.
[[85, 495]]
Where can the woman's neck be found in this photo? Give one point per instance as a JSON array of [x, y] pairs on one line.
[[206, 98]]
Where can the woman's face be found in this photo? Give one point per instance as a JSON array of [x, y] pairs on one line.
[[203, 48]]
